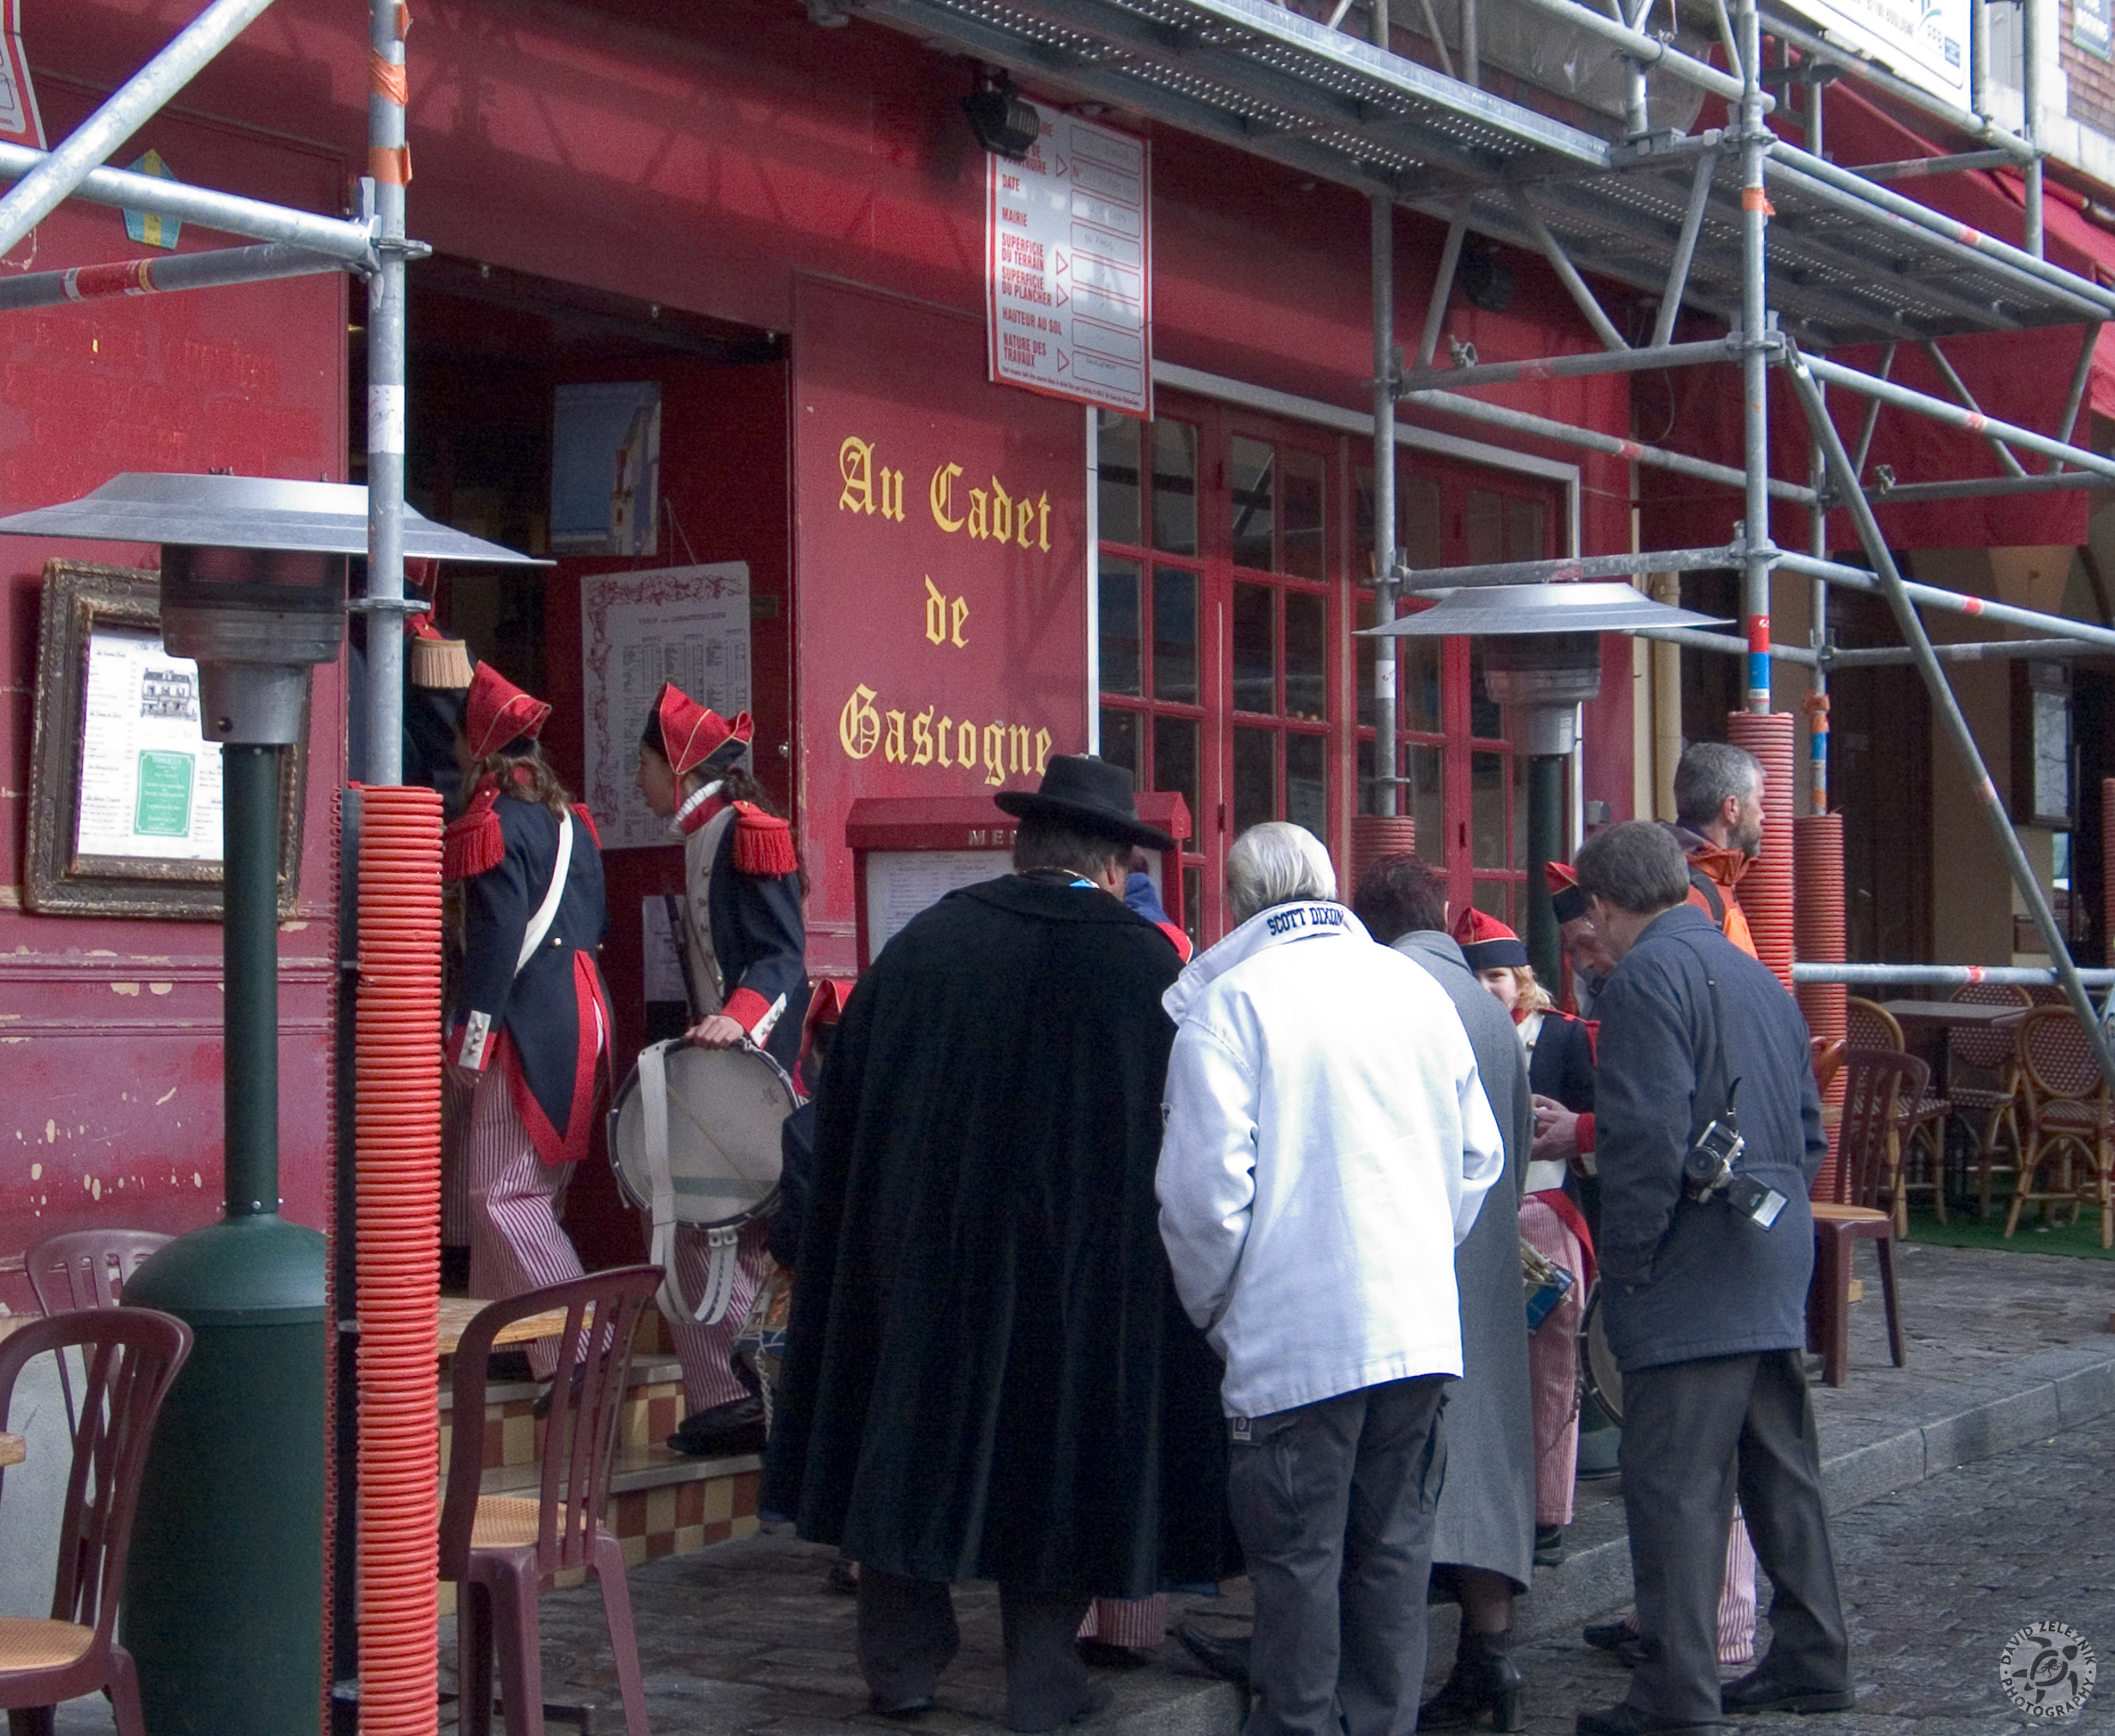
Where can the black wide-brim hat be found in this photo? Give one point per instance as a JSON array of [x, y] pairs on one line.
[[1088, 795]]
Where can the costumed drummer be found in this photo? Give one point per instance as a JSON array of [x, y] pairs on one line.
[[531, 1020], [745, 972]]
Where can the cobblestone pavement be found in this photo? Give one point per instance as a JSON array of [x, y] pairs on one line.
[[1935, 1580]]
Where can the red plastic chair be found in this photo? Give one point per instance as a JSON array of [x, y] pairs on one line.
[[1881, 1089], [86, 1269], [503, 1551], [130, 1356], [2072, 1118]]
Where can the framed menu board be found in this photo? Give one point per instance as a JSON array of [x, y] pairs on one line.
[[124, 789]]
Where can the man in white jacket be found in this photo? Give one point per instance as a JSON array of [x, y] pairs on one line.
[[1328, 1143]]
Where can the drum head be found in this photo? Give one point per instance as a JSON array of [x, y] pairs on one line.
[[1598, 1373], [725, 1106]]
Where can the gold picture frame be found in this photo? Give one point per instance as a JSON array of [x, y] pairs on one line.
[[87, 609]]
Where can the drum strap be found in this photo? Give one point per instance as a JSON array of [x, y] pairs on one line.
[[720, 1283], [547, 912]]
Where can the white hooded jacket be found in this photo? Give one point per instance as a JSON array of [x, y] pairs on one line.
[[1327, 1144]]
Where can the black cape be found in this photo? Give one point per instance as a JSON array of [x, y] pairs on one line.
[[987, 1374]]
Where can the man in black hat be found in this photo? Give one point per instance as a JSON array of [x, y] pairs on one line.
[[987, 1375]]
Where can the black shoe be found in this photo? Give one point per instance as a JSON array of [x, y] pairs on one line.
[[1549, 1545], [1225, 1655], [843, 1579], [507, 1367], [1618, 1640], [1625, 1719], [542, 1406], [899, 1708], [1485, 1680], [1097, 1699], [1100, 1655], [1757, 1692], [725, 1432]]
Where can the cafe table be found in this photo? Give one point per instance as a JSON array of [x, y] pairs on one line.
[[1925, 1024], [458, 1312]]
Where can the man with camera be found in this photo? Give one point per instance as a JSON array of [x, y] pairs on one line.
[[1709, 1135]]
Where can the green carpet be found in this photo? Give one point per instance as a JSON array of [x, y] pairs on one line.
[[1965, 1230]]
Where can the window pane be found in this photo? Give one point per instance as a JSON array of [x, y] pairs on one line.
[[1193, 906], [1418, 665], [1495, 897], [1525, 537], [1116, 446], [1175, 762], [1119, 595], [1363, 656], [1306, 787], [1423, 799], [1417, 510], [1120, 741], [1306, 555], [1253, 487], [1483, 527], [1487, 801], [1255, 648], [1174, 488], [1306, 686], [1255, 777], [1174, 634], [1486, 718]]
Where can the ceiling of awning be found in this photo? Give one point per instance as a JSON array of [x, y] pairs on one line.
[[1269, 81]]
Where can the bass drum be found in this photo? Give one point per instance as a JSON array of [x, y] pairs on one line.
[[1600, 1382]]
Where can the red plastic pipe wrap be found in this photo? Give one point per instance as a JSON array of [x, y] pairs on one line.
[[397, 1037], [1821, 940], [1373, 837], [1766, 889]]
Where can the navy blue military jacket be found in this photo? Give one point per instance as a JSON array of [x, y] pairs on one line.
[[555, 1013], [761, 943], [1686, 1279]]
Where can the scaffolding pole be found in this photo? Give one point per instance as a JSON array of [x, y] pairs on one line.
[[1948, 710], [1569, 568], [1944, 975], [172, 271], [1954, 602], [39, 192], [228, 212], [1386, 368], [1756, 350], [1480, 374], [388, 170]]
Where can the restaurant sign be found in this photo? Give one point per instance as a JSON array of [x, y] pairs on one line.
[[940, 574], [1923, 41]]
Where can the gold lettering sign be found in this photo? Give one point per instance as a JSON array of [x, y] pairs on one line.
[[990, 752]]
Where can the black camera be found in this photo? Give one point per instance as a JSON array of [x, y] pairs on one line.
[[1708, 1171]]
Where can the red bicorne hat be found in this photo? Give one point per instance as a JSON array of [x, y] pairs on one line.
[[1487, 943], [1564, 896], [691, 733], [497, 713]]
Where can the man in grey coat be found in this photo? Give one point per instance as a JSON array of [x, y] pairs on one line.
[[1483, 1540], [1704, 1301]]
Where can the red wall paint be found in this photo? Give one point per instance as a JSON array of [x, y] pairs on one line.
[[109, 1044]]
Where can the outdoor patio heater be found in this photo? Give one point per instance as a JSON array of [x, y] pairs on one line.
[[1543, 662], [224, 1593]]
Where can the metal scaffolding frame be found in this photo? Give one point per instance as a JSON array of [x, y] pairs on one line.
[[1795, 254]]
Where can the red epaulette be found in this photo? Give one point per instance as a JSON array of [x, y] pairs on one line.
[[475, 842], [587, 819], [763, 843], [1593, 1039]]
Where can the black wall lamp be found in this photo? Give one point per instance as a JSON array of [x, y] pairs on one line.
[[1005, 123]]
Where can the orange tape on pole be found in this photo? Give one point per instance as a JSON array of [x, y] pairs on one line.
[[390, 166], [386, 79]]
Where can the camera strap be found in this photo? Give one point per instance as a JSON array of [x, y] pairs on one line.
[[1730, 1085]]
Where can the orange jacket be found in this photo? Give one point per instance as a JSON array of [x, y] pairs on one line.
[[1714, 871]]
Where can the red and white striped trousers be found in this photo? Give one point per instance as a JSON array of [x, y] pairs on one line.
[[516, 1241], [1139, 1622], [707, 1351]]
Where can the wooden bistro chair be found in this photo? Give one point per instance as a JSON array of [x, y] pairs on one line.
[[86, 1269], [1984, 1085], [1880, 1086], [502, 1552], [2070, 1114], [1920, 1161], [130, 1356]]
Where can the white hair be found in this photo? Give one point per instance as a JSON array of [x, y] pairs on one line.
[[1275, 863]]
